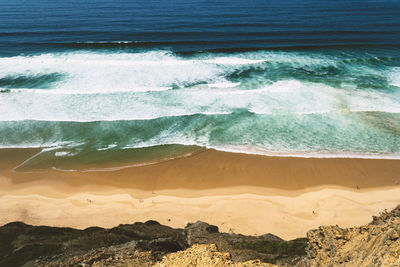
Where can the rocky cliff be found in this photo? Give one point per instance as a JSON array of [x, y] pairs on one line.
[[139, 244], [374, 244], [199, 244]]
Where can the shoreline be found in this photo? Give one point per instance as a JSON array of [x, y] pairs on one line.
[[210, 169], [243, 193], [307, 155]]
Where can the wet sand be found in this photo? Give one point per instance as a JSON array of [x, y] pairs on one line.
[[247, 194]]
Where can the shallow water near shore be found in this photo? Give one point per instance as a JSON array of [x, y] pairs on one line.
[[64, 159], [292, 78]]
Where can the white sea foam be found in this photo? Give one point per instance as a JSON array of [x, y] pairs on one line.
[[252, 150], [108, 147], [93, 72], [151, 85], [290, 97], [304, 154], [89, 72], [233, 61], [394, 77], [65, 154], [223, 85]]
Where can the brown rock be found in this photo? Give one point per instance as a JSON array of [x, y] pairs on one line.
[[206, 256], [375, 244]]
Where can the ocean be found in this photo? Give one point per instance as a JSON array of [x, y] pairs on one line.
[[119, 82]]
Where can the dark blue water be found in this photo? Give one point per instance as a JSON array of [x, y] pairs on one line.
[[116, 80], [190, 26]]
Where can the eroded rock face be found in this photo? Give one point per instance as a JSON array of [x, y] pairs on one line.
[[375, 244], [205, 255], [268, 248], [27, 245], [138, 244], [199, 244]]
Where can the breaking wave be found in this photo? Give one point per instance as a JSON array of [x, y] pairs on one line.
[[297, 103]]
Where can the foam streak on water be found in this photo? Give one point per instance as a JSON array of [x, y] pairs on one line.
[[310, 104]]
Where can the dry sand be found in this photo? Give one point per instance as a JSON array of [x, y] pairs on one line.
[[242, 193]]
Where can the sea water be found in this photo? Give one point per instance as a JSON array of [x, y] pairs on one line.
[[99, 81]]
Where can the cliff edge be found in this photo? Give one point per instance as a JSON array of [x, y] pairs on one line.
[[200, 244], [374, 244]]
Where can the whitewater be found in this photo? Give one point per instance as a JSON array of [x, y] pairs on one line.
[[309, 104]]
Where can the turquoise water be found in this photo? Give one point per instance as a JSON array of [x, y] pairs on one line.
[[286, 83]]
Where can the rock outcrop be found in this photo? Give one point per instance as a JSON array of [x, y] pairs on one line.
[[199, 244], [206, 255], [375, 244], [267, 248], [138, 244]]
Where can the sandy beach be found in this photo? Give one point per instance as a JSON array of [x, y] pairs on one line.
[[239, 193]]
